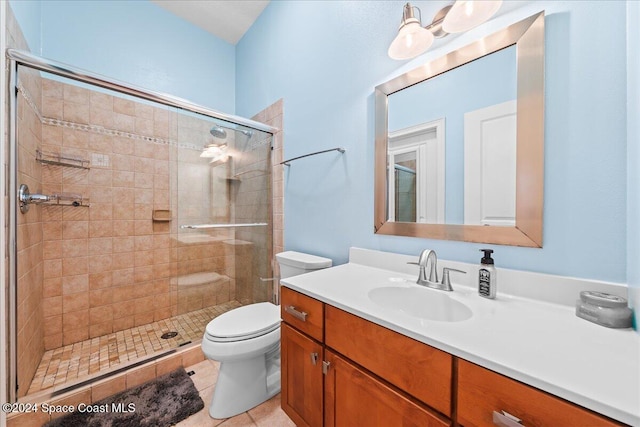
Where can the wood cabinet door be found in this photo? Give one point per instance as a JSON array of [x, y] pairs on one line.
[[356, 398], [301, 363]]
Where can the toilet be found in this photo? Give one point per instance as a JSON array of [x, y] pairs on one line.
[[246, 342]]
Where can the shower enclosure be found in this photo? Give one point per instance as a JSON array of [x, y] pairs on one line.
[[136, 218]]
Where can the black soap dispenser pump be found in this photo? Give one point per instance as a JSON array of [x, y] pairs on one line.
[[487, 275]]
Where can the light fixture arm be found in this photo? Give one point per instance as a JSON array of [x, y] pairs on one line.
[[408, 13], [436, 25]]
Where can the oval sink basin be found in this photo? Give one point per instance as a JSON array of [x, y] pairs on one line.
[[421, 303]]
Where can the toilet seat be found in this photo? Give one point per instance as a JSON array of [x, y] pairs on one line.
[[244, 323]]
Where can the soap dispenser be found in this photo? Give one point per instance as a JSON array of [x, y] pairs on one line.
[[487, 275]]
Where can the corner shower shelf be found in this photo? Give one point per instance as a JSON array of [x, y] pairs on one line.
[[58, 159]]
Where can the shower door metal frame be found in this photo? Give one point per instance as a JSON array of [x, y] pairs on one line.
[[26, 59]]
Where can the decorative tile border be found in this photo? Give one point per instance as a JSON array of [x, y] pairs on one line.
[[101, 130]]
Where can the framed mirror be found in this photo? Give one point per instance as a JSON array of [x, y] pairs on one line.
[[460, 143]]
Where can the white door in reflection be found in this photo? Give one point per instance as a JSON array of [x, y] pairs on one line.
[[416, 174], [490, 165]]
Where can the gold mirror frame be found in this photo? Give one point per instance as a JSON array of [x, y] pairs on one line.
[[528, 37]]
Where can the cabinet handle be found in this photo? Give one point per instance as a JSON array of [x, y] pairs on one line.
[[506, 420], [325, 366], [300, 315], [314, 358]]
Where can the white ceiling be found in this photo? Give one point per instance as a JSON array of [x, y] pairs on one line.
[[228, 20]]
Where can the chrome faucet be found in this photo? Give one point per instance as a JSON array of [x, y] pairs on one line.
[[425, 257], [428, 256]]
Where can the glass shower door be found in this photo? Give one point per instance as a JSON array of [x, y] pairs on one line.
[[223, 238]]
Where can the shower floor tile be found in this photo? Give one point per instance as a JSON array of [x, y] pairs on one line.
[[80, 360]]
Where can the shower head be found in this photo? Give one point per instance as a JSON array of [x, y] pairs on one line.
[[218, 132], [247, 133]]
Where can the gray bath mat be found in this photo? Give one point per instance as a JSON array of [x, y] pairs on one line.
[[161, 402]]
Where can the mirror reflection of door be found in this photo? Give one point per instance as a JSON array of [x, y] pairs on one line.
[[490, 165], [416, 174]]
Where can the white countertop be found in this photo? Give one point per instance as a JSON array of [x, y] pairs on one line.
[[539, 343]]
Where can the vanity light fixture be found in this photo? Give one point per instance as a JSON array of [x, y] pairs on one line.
[[413, 39]]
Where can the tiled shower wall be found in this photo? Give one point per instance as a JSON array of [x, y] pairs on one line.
[[30, 239], [107, 267]]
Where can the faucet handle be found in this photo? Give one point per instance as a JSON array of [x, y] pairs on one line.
[[413, 263], [446, 282]]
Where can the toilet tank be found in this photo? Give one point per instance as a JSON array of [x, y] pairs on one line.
[[294, 263]]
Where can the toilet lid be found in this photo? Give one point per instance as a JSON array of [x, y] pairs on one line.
[[245, 322]]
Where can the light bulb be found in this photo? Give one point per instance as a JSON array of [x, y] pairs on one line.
[[411, 41], [467, 14]]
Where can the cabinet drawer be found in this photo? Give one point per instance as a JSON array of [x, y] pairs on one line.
[[481, 392], [302, 312], [422, 371]]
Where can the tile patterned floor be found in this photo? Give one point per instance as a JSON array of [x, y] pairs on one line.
[[268, 414], [79, 361]]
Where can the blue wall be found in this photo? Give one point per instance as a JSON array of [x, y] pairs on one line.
[[139, 43], [325, 58], [28, 14]]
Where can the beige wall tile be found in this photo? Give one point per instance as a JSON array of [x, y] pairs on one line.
[[168, 364], [75, 94], [75, 284], [108, 387], [100, 329], [75, 229], [74, 112], [124, 106], [52, 306], [74, 306], [100, 280], [29, 419], [122, 323], [192, 356], [74, 266], [73, 248], [100, 297], [75, 335], [141, 375], [52, 287]]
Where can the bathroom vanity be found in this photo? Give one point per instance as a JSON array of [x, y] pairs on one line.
[[348, 361]]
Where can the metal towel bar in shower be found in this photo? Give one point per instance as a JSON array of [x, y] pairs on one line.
[[200, 226]]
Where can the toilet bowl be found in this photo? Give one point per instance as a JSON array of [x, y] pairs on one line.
[[246, 342]]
